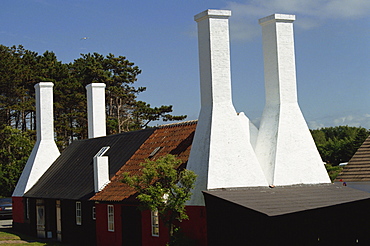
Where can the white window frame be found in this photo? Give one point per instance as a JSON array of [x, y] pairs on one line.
[[155, 223], [78, 213], [110, 209]]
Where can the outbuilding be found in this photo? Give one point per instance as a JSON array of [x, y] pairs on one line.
[[324, 214]]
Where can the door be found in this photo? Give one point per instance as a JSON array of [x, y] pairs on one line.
[[131, 226], [59, 221], [40, 218]]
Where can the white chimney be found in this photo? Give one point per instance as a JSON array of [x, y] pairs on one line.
[[285, 147], [221, 153], [101, 169], [45, 151], [96, 110]]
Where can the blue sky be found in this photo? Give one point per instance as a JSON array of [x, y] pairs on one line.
[[332, 44]]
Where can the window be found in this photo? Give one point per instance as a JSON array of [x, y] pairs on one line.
[[155, 151], [59, 220], [155, 223], [40, 218], [40, 214], [78, 213], [110, 218], [27, 209], [93, 213]]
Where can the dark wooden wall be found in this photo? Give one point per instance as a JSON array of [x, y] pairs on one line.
[[231, 224]]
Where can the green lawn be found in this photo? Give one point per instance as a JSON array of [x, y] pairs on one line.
[[9, 237]]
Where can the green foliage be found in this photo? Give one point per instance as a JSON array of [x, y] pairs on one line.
[[15, 147], [333, 171], [143, 112], [163, 186], [338, 144]]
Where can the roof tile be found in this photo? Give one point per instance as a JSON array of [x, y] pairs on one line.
[[358, 168], [175, 139]]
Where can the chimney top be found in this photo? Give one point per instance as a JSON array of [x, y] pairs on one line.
[[98, 85], [212, 13], [44, 84], [276, 18], [96, 110]]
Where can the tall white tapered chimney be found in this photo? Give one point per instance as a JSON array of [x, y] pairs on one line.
[[221, 153], [96, 110], [45, 151], [285, 147]]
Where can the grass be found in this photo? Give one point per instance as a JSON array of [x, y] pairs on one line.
[[9, 237]]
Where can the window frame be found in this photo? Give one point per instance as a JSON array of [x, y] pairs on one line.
[[110, 214], [154, 223], [78, 213]]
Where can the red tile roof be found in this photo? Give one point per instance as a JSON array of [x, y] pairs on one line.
[[175, 139]]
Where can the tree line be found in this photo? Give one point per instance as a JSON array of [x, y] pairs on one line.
[[337, 145], [21, 69]]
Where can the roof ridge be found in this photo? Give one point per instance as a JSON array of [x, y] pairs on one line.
[[188, 122], [114, 135]]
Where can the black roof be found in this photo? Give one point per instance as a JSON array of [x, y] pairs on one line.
[[289, 199], [71, 176]]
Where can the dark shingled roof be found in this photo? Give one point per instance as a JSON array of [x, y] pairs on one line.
[[289, 199], [358, 168], [175, 139], [71, 175]]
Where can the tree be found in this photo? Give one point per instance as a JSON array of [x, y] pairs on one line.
[[333, 171], [124, 112], [21, 69], [15, 147], [163, 186], [143, 114], [338, 144]]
